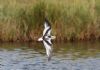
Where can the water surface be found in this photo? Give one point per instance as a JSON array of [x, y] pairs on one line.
[[66, 56]]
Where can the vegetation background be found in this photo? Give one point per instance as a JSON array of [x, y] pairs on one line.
[[71, 20]]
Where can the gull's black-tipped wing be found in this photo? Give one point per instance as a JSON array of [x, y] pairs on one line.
[[48, 47], [46, 40], [47, 28]]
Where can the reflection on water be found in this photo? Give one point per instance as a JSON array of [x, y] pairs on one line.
[[66, 56]]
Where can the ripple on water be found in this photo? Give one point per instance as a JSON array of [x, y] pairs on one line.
[[66, 57]]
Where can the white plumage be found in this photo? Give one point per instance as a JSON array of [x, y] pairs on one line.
[[46, 38]]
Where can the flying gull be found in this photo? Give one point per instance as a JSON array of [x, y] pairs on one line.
[[46, 38]]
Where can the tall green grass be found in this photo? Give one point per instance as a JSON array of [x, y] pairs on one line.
[[70, 19]]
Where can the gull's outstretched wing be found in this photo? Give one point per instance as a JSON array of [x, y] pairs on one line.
[[47, 28], [48, 47]]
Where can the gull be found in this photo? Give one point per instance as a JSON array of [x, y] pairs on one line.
[[46, 38]]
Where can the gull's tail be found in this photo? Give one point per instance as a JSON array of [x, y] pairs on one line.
[[40, 39]]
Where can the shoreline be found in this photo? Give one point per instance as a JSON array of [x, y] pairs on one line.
[[56, 40]]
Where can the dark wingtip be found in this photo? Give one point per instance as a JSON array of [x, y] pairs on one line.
[[49, 58], [46, 20]]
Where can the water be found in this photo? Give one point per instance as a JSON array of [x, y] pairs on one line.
[[66, 56]]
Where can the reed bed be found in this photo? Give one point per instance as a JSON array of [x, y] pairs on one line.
[[71, 20]]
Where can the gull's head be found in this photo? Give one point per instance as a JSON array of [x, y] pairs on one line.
[[53, 37], [40, 39]]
